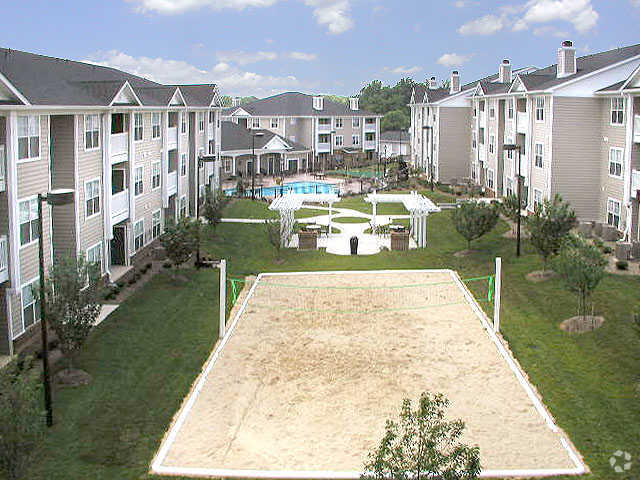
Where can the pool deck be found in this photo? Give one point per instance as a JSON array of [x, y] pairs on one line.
[[345, 185]]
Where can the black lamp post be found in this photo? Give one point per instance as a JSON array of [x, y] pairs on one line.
[[202, 159], [53, 198], [427, 127], [253, 165], [510, 148]]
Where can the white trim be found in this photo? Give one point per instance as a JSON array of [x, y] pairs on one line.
[[614, 200], [14, 90], [624, 113], [159, 164], [95, 214], [91, 247], [141, 126], [153, 212], [596, 72], [535, 145], [611, 150], [29, 159], [133, 93], [35, 301], [135, 169], [32, 242], [133, 237], [84, 130]]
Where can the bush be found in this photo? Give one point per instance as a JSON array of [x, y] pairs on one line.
[[472, 220], [622, 265], [598, 243], [607, 250]]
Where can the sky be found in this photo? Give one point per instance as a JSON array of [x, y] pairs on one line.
[[263, 47]]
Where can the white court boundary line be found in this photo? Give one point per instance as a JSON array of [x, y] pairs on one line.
[[157, 467]]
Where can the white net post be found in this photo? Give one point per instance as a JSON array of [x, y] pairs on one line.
[[223, 298], [496, 300]]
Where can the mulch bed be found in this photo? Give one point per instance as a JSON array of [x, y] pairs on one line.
[[540, 276], [580, 324]]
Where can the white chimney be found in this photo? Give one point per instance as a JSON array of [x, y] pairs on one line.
[[353, 103], [318, 103], [567, 59], [454, 84], [235, 102], [504, 73], [433, 83]]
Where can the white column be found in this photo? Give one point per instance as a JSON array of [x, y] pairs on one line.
[[106, 167], [223, 298], [164, 164], [12, 194], [373, 220], [330, 219], [496, 298]]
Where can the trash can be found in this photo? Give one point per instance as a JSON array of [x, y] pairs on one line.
[[354, 245]]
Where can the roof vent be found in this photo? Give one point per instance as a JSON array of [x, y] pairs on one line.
[[318, 103], [354, 103], [454, 83], [504, 72], [567, 59], [433, 83]]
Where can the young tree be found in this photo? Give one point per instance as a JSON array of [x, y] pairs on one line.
[[423, 445], [71, 302], [473, 219], [581, 265], [180, 240], [511, 209], [212, 209], [272, 229], [549, 225], [22, 418]]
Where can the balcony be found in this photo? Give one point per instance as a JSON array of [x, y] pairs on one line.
[[172, 183], [324, 147], [210, 130], [4, 260], [324, 128], [482, 118], [172, 138], [482, 153], [119, 206], [370, 145], [369, 127], [119, 147], [635, 183], [522, 122], [636, 129]]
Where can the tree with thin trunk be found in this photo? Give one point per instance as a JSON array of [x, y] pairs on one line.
[[581, 265], [511, 209], [22, 418], [550, 223], [423, 445], [472, 220], [180, 240], [274, 235], [212, 209], [71, 302]]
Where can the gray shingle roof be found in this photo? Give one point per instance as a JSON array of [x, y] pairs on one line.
[[394, 136], [237, 137], [198, 94], [296, 104], [613, 88], [54, 81]]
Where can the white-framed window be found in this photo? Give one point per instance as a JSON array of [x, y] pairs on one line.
[[474, 139], [138, 235], [613, 212], [183, 164], [274, 123], [227, 165], [492, 112], [92, 197], [91, 132], [182, 210], [538, 154], [94, 255], [30, 303], [211, 150], [138, 183], [355, 139], [339, 123], [212, 117], [355, 122], [509, 186], [201, 121], [537, 198], [339, 140], [155, 125], [156, 228], [617, 111], [255, 123], [155, 175], [539, 109], [138, 126], [475, 109], [183, 122], [615, 162], [489, 179], [492, 143], [28, 213], [510, 108], [28, 137], [324, 121]]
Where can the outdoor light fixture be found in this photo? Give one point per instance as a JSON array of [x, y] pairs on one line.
[[510, 147], [54, 198]]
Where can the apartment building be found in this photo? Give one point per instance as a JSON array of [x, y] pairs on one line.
[[332, 130], [125, 145], [574, 124], [272, 153], [395, 143]]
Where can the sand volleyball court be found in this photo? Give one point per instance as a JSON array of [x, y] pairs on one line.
[[315, 363]]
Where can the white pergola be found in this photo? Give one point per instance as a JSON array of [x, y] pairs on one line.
[[418, 206], [289, 203]]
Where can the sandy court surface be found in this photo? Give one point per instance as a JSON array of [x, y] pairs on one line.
[[310, 375]]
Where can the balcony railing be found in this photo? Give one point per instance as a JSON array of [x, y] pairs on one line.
[[369, 127], [3, 171], [482, 117], [324, 128], [119, 147], [4, 259], [324, 147], [172, 183], [370, 145], [172, 138], [120, 206], [482, 153], [635, 183], [636, 129], [522, 120]]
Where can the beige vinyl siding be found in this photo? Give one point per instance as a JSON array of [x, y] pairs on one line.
[[613, 136], [15, 304], [540, 133], [302, 130], [576, 160], [454, 147], [4, 206], [184, 148], [147, 152]]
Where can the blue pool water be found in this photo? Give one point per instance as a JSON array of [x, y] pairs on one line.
[[295, 187]]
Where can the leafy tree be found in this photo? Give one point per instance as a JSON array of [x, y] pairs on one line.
[[473, 219], [395, 120], [549, 225], [272, 229], [227, 100], [72, 303], [446, 84], [22, 418], [510, 208], [180, 240], [581, 265], [389, 100], [423, 445], [212, 209]]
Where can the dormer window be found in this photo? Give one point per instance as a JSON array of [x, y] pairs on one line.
[[318, 103], [353, 103]]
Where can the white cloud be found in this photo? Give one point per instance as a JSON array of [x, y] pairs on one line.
[[453, 59], [487, 25], [464, 3], [635, 3], [402, 70], [231, 80], [580, 13], [549, 31], [305, 57], [246, 58], [333, 14]]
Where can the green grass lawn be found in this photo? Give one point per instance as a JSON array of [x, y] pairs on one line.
[[350, 220], [144, 358], [257, 209]]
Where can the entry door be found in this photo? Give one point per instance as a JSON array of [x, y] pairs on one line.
[[118, 246], [270, 171]]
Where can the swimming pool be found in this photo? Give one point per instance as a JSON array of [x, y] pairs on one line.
[[293, 187]]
